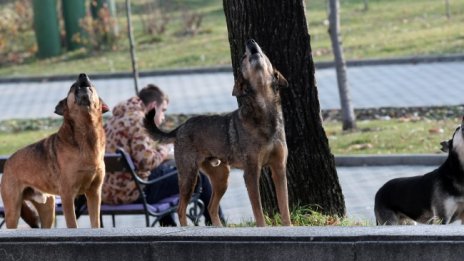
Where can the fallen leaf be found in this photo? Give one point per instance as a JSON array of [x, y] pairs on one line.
[[436, 130]]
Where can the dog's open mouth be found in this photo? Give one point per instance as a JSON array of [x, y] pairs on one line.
[[83, 90], [254, 51]]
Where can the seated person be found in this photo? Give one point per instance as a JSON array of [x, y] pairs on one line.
[[124, 129]]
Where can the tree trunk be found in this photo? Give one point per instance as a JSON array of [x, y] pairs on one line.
[[135, 71], [348, 116], [280, 29], [366, 5], [447, 9]]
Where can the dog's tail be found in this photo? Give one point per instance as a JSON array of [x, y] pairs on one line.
[[157, 134]]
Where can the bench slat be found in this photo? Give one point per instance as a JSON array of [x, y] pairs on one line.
[[113, 162]]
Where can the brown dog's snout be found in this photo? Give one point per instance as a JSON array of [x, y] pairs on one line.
[[83, 80]]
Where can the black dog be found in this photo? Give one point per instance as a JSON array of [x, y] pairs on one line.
[[436, 197]]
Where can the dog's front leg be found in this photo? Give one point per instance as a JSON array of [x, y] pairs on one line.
[[93, 206], [67, 200], [251, 176], [279, 177]]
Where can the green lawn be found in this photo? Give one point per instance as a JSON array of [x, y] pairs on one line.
[[372, 137], [10, 142], [390, 28], [390, 137]]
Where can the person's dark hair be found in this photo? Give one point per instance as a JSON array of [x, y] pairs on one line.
[[152, 93]]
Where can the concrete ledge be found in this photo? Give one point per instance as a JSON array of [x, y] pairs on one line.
[[389, 160], [200, 243]]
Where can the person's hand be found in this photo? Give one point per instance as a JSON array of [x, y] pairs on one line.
[[163, 151], [170, 149], [166, 151]]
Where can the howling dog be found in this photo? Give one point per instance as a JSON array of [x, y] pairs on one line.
[[67, 163], [249, 138], [436, 197]]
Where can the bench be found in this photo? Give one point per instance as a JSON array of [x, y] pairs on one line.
[[121, 161]]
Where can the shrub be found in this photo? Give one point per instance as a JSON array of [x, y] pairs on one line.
[[156, 18], [15, 43], [100, 33]]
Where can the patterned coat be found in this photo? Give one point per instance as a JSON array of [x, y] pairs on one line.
[[125, 129]]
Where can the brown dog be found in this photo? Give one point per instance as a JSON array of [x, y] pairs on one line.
[[67, 163], [249, 138]]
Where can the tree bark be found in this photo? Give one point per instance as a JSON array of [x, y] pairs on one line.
[[280, 29], [348, 116]]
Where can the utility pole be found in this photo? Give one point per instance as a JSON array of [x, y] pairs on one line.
[[348, 116]]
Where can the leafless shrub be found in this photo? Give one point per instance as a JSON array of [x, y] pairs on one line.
[[156, 19], [191, 22], [15, 43], [99, 33]]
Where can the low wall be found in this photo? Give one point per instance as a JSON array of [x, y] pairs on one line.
[[201, 243], [392, 159]]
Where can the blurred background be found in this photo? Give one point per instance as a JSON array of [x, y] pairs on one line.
[[170, 34]]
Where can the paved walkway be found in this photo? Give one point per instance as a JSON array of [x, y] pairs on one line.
[[428, 84], [371, 86]]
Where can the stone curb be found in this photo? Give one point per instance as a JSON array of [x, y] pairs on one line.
[[203, 243], [400, 60], [221, 69], [390, 160]]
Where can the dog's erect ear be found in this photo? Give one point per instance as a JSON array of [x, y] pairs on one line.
[[445, 145], [280, 79], [239, 86], [60, 107], [104, 106]]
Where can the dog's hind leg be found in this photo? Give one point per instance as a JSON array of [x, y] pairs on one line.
[[218, 176], [46, 212], [12, 208], [385, 216], [30, 215], [279, 177], [12, 200], [187, 180]]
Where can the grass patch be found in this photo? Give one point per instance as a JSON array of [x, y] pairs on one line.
[[11, 142], [15, 134], [395, 136], [310, 216], [305, 216]]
